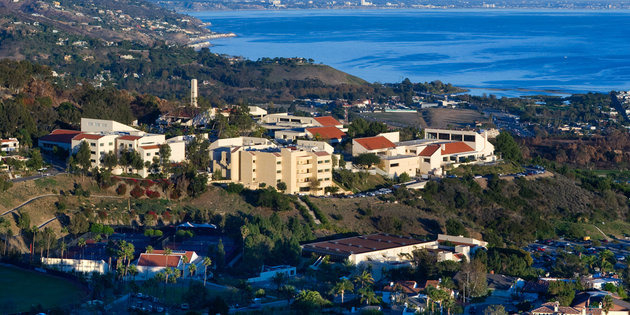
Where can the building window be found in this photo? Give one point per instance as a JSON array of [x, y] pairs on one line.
[[427, 160], [102, 144], [469, 138], [327, 161], [92, 144], [320, 171], [111, 143], [148, 154], [303, 189], [130, 145], [444, 136], [93, 152], [394, 164], [279, 162], [279, 171], [432, 135], [445, 159], [320, 162], [456, 137]]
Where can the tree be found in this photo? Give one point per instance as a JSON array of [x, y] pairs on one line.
[[206, 262], [494, 310], [282, 186], [607, 303], [367, 159], [5, 227], [279, 279], [508, 147], [404, 177], [165, 158], [308, 301], [78, 224], [24, 221], [185, 261], [35, 161], [83, 157], [149, 249], [192, 269], [342, 287], [287, 292], [472, 279], [110, 160]]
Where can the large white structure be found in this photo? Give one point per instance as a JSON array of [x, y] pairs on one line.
[[439, 148], [76, 265], [255, 161], [106, 136], [392, 249], [149, 264]]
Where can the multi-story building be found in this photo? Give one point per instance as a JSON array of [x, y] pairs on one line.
[[439, 148], [106, 136], [254, 161]]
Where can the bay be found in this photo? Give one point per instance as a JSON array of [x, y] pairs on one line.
[[501, 52]]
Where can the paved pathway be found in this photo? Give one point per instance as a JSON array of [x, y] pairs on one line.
[[26, 202]]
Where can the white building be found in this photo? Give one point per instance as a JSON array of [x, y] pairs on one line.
[[152, 263], [269, 272], [76, 265], [9, 145]]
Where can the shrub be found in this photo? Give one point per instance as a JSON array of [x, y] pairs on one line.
[[121, 189], [152, 194], [176, 194], [147, 183], [234, 188], [137, 192]]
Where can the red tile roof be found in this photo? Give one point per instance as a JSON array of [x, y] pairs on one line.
[[60, 136], [407, 287], [549, 308], [327, 121], [87, 136], [129, 138], [456, 147], [329, 132], [150, 147], [321, 153], [375, 143], [429, 150], [7, 140], [158, 260]]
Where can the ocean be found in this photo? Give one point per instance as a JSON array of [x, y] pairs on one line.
[[501, 52]]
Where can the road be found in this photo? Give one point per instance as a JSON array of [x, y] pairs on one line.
[[26, 202]]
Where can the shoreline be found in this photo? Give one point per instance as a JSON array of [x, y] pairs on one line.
[[423, 8]]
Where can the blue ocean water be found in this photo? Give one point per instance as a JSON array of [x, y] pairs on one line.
[[512, 50]]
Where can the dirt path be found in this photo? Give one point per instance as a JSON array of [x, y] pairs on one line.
[[26, 202]]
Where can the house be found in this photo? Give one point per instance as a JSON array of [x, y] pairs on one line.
[[395, 289], [599, 283], [554, 308], [151, 263], [268, 273], [9, 145], [592, 300], [504, 286]]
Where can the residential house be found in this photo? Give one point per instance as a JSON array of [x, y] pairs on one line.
[[149, 264], [268, 273], [9, 145]]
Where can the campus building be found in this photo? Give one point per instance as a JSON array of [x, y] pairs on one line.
[[439, 149], [393, 249], [254, 161], [107, 136], [149, 264]]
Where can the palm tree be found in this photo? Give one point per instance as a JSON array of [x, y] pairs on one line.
[[206, 262], [167, 252], [149, 249], [81, 242], [192, 269], [607, 303], [62, 247], [364, 279], [167, 272], [185, 260], [342, 287], [368, 296]]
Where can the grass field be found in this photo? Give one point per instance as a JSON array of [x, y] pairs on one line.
[[20, 289]]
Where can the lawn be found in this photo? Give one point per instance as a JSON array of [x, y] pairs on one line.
[[20, 289]]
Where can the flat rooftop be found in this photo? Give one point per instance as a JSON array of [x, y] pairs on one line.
[[360, 244]]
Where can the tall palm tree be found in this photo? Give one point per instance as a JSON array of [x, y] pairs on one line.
[[185, 260], [342, 287], [63, 247], [206, 262], [364, 279], [192, 269], [149, 249], [167, 252]]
